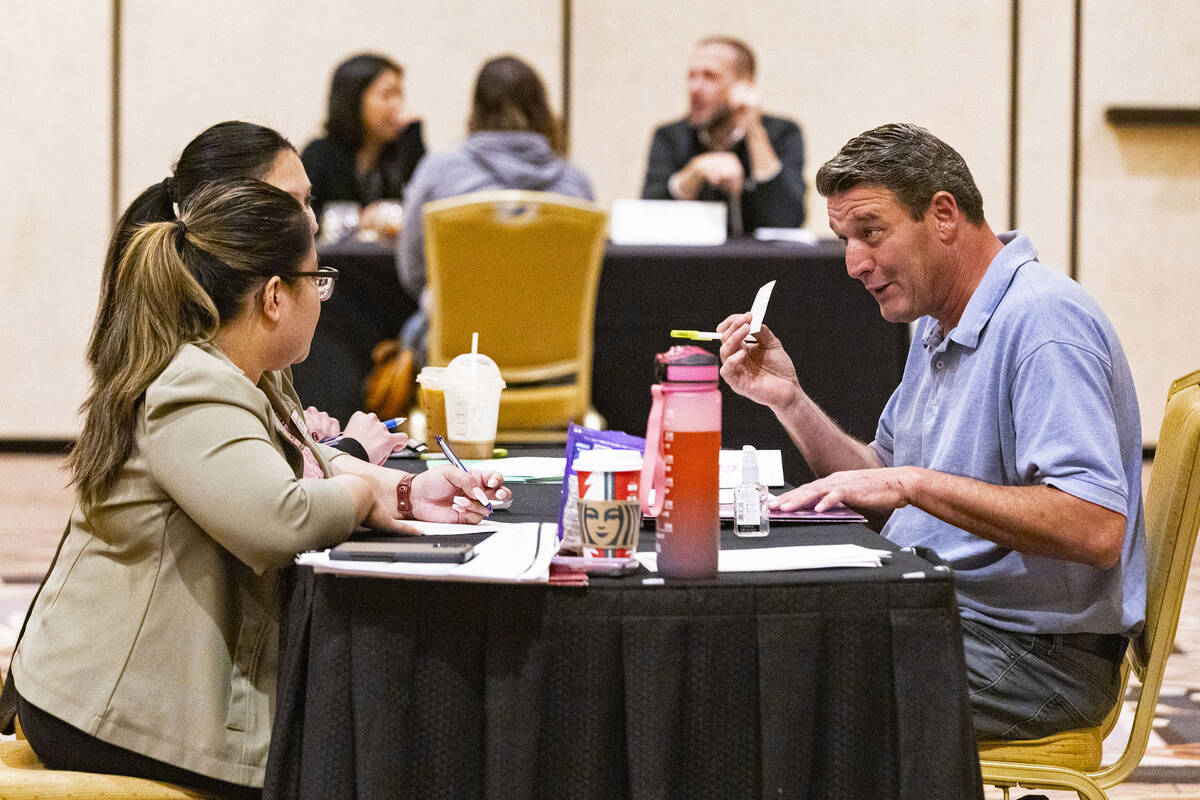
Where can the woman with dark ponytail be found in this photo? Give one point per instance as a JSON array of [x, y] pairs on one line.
[[151, 649], [223, 152]]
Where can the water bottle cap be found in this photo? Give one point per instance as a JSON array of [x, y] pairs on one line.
[[687, 364]]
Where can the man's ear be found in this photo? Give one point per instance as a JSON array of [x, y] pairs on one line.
[[946, 215], [269, 298]]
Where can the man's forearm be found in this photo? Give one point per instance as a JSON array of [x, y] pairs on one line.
[[764, 162], [825, 447], [686, 183], [1033, 519]]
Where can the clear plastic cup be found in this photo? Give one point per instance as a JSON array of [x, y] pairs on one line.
[[433, 402], [339, 220], [472, 386]]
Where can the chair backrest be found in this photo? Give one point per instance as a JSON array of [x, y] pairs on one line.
[[1172, 519], [522, 269]]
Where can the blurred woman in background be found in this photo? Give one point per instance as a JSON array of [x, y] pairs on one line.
[[372, 144], [152, 647], [514, 141]]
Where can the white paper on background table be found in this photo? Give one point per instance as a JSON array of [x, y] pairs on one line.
[[525, 469], [770, 468]]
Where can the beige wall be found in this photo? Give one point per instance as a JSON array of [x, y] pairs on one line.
[[838, 69], [1140, 190], [1044, 119], [54, 156], [270, 61]]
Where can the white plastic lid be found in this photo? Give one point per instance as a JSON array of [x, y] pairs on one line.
[[602, 460], [474, 367], [749, 464], [431, 375]]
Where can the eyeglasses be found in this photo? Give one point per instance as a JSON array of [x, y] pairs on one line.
[[324, 276]]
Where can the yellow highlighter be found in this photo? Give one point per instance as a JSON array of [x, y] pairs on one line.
[[699, 336], [428, 455]]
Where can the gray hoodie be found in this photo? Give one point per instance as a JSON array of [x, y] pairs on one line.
[[488, 160]]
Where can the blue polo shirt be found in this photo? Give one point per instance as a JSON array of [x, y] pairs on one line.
[[1032, 387]]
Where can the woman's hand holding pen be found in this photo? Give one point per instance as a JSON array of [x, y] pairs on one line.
[[374, 436], [448, 494], [320, 425]]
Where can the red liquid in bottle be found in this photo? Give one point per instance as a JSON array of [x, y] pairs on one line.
[[689, 526]]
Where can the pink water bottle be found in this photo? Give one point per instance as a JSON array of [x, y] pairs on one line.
[[683, 439]]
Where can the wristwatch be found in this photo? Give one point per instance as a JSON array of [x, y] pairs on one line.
[[404, 496]]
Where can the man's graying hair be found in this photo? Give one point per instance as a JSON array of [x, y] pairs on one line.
[[743, 57], [907, 160]]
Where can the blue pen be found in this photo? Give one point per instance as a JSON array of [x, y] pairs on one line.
[[453, 459], [389, 424]]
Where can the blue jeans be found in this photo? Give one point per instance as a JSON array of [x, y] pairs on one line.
[[1025, 686]]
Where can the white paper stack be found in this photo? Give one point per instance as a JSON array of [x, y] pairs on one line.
[[780, 559], [515, 553]]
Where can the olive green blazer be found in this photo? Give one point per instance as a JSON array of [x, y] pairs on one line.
[[158, 628]]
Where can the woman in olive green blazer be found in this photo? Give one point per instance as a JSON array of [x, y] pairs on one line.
[[156, 633]]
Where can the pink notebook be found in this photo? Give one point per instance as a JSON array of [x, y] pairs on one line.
[[838, 514]]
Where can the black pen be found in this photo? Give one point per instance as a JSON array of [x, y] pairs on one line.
[[453, 459]]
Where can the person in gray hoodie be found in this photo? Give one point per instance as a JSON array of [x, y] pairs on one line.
[[514, 142]]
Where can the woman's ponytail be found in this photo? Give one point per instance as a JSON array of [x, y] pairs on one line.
[[154, 306], [177, 282], [153, 205]]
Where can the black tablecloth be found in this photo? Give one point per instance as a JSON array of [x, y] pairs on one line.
[[825, 684], [848, 357]]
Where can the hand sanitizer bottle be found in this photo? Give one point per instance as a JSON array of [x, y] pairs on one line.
[[752, 515]]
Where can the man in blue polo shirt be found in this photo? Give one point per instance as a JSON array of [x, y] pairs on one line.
[[1012, 446]]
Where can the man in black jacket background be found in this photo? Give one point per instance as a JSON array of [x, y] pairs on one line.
[[726, 149]]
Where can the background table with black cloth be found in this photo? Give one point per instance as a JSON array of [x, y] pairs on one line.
[[367, 306], [848, 358], [845, 683]]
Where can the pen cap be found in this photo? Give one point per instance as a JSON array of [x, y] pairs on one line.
[[749, 465]]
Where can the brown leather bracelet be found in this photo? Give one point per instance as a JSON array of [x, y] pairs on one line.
[[404, 496]]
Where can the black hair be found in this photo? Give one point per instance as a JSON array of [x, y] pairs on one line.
[[177, 283], [224, 151], [343, 120]]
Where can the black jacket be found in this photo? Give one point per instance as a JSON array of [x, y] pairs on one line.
[[777, 203], [330, 167]]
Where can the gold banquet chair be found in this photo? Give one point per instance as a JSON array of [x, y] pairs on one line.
[[1071, 760], [24, 777], [521, 268]]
